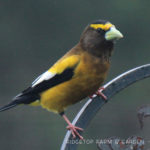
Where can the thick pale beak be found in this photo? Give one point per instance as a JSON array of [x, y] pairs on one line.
[[113, 34]]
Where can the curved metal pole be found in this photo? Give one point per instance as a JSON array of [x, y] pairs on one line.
[[91, 107]]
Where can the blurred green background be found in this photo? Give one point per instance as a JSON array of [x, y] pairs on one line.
[[34, 34]]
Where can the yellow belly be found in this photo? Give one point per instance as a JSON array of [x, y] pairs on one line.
[[85, 82], [58, 98]]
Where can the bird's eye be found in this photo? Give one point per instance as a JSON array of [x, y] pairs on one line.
[[99, 30]]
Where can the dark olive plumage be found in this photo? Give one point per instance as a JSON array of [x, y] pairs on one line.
[[95, 43]]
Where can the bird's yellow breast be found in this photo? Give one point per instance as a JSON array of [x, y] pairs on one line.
[[88, 76]]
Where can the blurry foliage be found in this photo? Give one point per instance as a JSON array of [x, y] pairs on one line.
[[143, 112], [34, 34], [133, 142], [114, 143]]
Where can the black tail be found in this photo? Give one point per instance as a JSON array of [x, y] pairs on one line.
[[8, 106], [20, 99]]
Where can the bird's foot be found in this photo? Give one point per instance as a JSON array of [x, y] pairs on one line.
[[74, 131], [71, 127], [99, 93]]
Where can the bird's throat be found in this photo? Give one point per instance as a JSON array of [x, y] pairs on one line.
[[103, 51]]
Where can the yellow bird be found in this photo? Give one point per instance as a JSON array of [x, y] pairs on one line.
[[78, 74]]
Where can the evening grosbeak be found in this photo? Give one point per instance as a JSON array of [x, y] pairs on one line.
[[78, 74]]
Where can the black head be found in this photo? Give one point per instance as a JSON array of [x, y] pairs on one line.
[[99, 22], [98, 35]]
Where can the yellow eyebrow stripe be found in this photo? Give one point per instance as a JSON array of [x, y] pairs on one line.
[[105, 27]]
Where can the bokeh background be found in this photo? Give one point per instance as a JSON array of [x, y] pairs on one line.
[[34, 34]]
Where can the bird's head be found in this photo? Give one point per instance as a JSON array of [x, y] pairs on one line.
[[99, 34]]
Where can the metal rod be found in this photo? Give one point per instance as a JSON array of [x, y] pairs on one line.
[[91, 107]]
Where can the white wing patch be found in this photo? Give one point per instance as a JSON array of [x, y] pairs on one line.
[[45, 76]]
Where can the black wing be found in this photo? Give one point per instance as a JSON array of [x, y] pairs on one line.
[[47, 84]]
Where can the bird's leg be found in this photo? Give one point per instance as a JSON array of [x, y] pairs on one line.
[[99, 93], [72, 128]]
